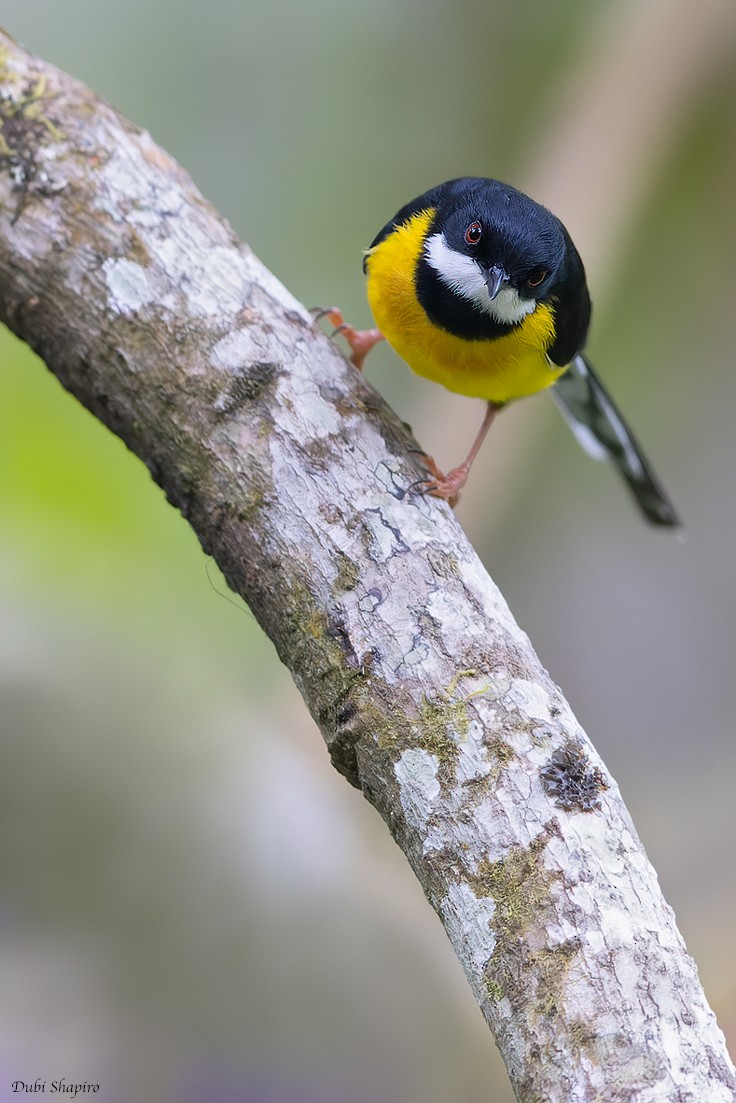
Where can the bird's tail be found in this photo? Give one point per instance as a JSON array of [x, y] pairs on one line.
[[603, 433]]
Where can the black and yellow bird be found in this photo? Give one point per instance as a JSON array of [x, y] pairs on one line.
[[478, 287]]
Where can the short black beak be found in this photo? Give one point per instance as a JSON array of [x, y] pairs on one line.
[[495, 280]]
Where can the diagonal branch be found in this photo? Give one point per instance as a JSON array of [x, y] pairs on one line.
[[296, 478]]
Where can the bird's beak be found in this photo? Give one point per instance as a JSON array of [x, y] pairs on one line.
[[495, 280]]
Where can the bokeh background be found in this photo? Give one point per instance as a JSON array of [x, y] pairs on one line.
[[193, 905]]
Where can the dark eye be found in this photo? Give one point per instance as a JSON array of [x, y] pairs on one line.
[[539, 275], [473, 233]]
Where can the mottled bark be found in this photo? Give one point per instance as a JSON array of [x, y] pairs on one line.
[[296, 478]]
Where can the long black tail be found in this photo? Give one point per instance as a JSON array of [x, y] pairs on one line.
[[603, 433]]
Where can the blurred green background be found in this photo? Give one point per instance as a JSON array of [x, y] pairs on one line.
[[194, 906]]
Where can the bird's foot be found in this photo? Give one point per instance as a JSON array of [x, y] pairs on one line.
[[440, 485], [361, 341]]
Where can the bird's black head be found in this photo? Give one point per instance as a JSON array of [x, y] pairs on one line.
[[493, 247]]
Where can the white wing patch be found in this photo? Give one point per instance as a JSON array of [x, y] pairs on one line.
[[464, 277]]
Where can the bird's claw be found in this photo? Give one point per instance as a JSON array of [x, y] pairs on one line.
[[361, 341], [439, 485]]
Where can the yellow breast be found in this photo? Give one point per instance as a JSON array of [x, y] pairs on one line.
[[498, 370]]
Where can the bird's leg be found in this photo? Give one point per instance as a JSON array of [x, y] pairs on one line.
[[449, 486], [361, 341]]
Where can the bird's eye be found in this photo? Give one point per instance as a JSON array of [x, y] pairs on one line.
[[473, 233], [539, 275]]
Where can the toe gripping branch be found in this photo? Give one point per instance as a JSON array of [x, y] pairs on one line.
[[361, 341]]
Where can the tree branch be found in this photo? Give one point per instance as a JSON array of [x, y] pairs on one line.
[[296, 478]]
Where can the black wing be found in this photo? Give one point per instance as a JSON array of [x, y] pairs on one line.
[[571, 306]]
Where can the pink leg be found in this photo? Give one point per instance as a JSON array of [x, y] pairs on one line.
[[361, 341], [449, 486]]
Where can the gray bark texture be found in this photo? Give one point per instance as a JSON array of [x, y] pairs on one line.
[[296, 478]]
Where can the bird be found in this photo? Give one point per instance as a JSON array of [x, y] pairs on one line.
[[480, 288]]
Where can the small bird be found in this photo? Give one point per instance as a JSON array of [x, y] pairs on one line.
[[478, 287]]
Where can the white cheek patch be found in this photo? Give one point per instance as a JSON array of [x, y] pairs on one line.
[[464, 277], [458, 272]]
